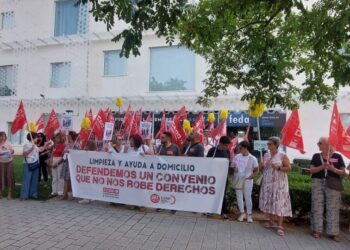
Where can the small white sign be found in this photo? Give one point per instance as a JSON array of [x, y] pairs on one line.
[[67, 122], [146, 130], [260, 145], [108, 132]]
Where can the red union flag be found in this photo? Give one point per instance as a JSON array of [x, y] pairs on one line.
[[109, 115], [20, 119], [246, 135], [135, 128], [162, 127], [291, 133], [90, 116], [149, 117], [338, 137], [178, 134], [198, 126], [128, 119], [40, 123], [52, 125], [219, 131], [232, 146], [180, 115], [84, 135], [99, 124]]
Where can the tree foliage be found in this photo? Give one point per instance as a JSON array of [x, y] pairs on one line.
[[254, 45]]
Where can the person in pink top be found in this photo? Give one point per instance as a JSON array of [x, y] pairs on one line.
[[6, 167]]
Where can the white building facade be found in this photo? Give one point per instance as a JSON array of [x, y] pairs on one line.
[[54, 55]]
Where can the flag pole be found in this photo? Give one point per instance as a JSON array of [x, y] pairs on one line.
[[259, 138]]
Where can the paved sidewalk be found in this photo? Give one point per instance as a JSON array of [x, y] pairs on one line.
[[69, 225]]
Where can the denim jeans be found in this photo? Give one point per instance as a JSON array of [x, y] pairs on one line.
[[29, 182]]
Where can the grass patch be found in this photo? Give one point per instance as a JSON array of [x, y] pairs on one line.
[[43, 192]]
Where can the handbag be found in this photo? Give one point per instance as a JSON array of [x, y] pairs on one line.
[[238, 182], [334, 183], [33, 166], [258, 181]]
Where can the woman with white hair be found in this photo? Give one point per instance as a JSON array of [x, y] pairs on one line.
[[274, 192], [326, 168]]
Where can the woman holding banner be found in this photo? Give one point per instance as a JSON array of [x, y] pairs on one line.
[[274, 192], [326, 168], [7, 178]]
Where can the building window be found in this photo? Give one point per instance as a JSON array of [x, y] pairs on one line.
[[60, 74], [114, 65], [8, 79], [14, 139], [70, 18], [7, 20], [172, 68]]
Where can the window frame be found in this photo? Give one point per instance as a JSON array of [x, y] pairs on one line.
[[193, 89], [14, 83], [67, 85], [104, 63]]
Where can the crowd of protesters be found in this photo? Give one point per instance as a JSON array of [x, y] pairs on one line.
[[48, 158]]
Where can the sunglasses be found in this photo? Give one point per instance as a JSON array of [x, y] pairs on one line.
[[269, 143], [319, 143]]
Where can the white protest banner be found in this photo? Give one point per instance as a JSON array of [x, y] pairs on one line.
[[67, 122], [169, 182], [146, 129], [108, 132]]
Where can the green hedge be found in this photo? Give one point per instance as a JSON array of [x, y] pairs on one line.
[[299, 190]]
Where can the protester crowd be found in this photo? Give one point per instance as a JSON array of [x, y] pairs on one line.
[[48, 158]]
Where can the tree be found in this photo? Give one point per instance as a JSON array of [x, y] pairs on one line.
[[255, 45]]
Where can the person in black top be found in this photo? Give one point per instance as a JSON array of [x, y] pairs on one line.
[[195, 148], [326, 168], [167, 147], [222, 151], [43, 156]]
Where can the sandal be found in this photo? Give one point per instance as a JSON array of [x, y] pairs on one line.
[[316, 235], [280, 231], [270, 224], [336, 238]]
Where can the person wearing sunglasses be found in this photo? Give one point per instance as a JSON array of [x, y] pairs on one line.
[[274, 197], [326, 169]]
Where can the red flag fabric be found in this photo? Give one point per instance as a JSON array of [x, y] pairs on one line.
[[178, 134], [199, 126], [199, 122], [180, 115], [291, 133], [52, 125], [40, 123], [128, 119], [109, 115], [149, 117], [175, 128], [135, 128], [338, 137], [90, 116], [99, 125], [83, 135], [20, 119], [246, 135], [232, 146], [162, 127], [219, 131]]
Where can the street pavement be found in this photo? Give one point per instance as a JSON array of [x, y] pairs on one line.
[[69, 225]]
